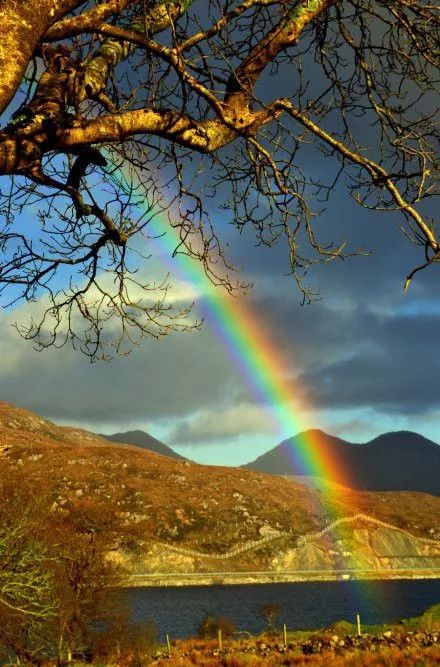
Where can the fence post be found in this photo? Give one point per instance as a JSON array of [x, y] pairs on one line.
[[168, 644], [358, 622], [285, 635], [220, 641]]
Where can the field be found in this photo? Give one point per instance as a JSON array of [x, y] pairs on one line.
[[413, 643]]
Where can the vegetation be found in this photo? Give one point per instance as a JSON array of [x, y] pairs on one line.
[[410, 642], [210, 626], [58, 537], [56, 579], [203, 508], [270, 612], [27, 597], [386, 658], [76, 612], [107, 104]]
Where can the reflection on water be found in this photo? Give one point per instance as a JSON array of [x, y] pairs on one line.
[[306, 605]]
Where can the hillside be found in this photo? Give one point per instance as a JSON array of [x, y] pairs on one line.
[[184, 517], [398, 461], [20, 427], [145, 441]]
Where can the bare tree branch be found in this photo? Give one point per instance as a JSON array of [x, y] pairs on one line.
[[114, 99]]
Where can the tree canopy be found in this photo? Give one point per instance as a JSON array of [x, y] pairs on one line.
[[116, 111]]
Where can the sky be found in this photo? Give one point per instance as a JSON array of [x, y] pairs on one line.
[[361, 361], [364, 356]]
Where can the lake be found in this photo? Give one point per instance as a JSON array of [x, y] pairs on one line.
[[305, 605]]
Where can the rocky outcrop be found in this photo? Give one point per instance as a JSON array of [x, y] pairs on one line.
[[358, 545]]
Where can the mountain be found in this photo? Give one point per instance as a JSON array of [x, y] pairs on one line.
[[174, 516], [397, 461], [145, 441]]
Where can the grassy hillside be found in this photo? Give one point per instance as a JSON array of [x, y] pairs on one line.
[[207, 508]]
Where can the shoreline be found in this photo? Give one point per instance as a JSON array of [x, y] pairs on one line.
[[161, 580]]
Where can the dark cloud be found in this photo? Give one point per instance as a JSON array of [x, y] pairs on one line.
[[387, 362], [366, 344], [163, 379]]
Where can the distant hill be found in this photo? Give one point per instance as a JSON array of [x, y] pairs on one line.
[[397, 461], [145, 441]]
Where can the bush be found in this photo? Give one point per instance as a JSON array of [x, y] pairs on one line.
[[125, 643], [210, 626], [270, 612]]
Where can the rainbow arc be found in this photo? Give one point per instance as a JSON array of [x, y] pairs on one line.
[[257, 359]]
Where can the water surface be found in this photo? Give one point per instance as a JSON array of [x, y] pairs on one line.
[[305, 605]]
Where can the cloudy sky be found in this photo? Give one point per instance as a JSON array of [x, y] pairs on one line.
[[364, 357], [360, 361]]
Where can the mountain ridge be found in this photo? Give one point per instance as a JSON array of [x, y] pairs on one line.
[[397, 460], [143, 440], [393, 461]]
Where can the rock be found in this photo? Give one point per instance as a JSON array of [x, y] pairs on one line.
[[388, 634], [267, 531]]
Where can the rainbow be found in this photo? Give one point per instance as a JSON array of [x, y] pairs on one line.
[[251, 350], [255, 356], [259, 362], [248, 345]]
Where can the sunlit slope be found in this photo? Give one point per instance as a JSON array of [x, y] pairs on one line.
[[210, 510]]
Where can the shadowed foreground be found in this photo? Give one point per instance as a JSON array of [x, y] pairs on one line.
[[412, 642]]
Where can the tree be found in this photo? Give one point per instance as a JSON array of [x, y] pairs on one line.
[[210, 625], [270, 612], [110, 102], [58, 582], [85, 578], [27, 599]]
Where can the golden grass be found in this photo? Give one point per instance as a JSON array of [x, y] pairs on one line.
[[385, 657]]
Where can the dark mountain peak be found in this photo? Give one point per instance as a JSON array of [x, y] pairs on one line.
[[274, 461], [137, 433], [316, 435], [401, 438], [395, 461], [143, 440]]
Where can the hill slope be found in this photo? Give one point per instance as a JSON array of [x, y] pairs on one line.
[[145, 441], [177, 516], [398, 461]]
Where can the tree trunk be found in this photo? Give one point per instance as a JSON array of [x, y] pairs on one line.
[[22, 25]]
